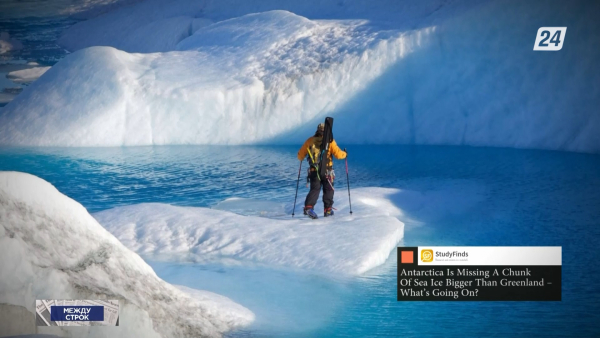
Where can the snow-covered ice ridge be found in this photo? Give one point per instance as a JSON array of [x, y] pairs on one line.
[[51, 248], [233, 72], [243, 80], [343, 244]]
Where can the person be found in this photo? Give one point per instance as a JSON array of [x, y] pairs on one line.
[[310, 150]]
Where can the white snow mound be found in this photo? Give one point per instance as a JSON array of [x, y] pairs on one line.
[[153, 21], [342, 244], [244, 80], [51, 248]]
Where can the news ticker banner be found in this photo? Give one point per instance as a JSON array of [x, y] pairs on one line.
[[479, 273], [55, 312]]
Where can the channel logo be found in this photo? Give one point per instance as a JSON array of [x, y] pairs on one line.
[[68, 312], [426, 255]]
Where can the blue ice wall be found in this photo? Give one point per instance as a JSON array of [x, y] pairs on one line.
[[479, 82]]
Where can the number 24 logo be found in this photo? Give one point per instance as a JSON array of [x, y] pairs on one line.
[[555, 43]]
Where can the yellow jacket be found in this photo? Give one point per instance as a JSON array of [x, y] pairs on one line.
[[333, 150]]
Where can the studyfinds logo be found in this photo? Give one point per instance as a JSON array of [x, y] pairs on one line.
[[426, 255]]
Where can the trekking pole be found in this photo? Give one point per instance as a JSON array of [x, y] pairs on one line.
[[348, 182], [297, 184]]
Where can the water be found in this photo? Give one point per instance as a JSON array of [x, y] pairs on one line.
[[528, 198], [38, 36]]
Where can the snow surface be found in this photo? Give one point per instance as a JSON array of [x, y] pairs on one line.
[[342, 244], [255, 207], [131, 17], [51, 248], [27, 75], [430, 72], [422, 203]]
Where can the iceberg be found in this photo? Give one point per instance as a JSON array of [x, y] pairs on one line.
[[343, 245], [27, 75], [221, 85], [51, 248], [390, 72]]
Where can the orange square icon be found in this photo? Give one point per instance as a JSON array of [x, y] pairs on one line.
[[406, 257]]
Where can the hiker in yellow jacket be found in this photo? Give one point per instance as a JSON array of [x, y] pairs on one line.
[[310, 150]]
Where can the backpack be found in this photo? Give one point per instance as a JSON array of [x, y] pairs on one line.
[[314, 152]]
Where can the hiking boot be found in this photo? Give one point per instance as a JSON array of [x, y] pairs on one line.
[[328, 212], [310, 212]]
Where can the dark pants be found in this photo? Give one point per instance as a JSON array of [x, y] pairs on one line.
[[315, 189]]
